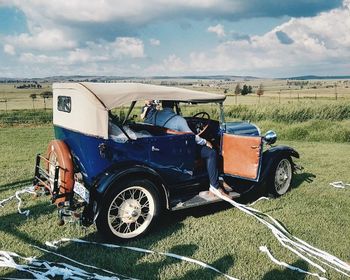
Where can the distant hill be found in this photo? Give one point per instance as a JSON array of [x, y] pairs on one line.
[[75, 78], [314, 77], [87, 78]]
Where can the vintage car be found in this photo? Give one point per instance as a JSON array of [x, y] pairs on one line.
[[109, 169]]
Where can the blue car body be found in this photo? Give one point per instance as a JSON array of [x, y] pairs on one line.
[[130, 178], [172, 165]]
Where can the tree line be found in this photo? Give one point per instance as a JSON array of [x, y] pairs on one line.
[[246, 89], [44, 95], [25, 86]]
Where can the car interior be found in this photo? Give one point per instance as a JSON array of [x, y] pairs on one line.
[[200, 124]]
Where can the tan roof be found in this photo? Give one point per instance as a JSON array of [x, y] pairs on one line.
[[113, 95]]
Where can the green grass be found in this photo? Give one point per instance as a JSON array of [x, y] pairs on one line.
[[25, 117], [218, 235], [312, 130], [293, 112], [303, 121]]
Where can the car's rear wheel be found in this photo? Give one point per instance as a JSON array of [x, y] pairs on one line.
[[280, 178], [130, 211]]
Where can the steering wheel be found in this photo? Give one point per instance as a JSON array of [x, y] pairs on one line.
[[200, 126]]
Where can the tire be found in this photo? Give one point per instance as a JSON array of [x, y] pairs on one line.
[[280, 178], [58, 154], [140, 203]]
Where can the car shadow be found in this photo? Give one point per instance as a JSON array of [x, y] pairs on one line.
[[223, 264], [300, 178], [10, 223], [122, 261], [136, 264], [260, 191], [17, 184], [245, 199]]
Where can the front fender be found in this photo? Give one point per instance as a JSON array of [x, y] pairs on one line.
[[272, 154]]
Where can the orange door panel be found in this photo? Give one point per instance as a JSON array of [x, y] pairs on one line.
[[241, 155]]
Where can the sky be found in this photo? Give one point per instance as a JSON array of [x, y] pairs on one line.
[[270, 38]]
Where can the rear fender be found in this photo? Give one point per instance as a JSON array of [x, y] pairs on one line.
[[271, 155], [110, 178]]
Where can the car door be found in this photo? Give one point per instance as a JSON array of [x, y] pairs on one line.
[[242, 156], [173, 156]]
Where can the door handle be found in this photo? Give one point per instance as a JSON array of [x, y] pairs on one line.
[[254, 147], [154, 149], [103, 150]]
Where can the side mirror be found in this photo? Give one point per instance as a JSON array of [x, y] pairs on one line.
[[270, 137]]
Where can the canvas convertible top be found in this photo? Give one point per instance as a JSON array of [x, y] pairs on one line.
[[88, 103], [113, 95]]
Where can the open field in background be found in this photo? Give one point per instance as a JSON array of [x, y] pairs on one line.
[[302, 121], [275, 91], [281, 91], [218, 235], [13, 98]]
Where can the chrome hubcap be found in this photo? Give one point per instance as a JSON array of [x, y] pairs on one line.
[[130, 211], [283, 176]]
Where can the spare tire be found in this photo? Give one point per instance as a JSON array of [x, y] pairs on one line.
[[58, 154]]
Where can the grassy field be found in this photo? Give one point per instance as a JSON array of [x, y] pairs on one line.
[[280, 91], [20, 98], [303, 121], [218, 235], [275, 92]]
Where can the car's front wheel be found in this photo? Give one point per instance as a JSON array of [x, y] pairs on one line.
[[280, 178], [129, 211]]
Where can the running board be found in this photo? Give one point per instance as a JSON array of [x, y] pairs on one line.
[[202, 198]]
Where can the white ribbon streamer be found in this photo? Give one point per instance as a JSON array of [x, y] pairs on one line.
[[266, 250], [79, 263], [17, 196], [45, 270], [54, 244], [339, 185], [297, 245], [294, 244], [261, 198]]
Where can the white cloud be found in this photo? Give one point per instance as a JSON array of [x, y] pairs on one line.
[[56, 37], [87, 55], [218, 30], [141, 12], [107, 19], [314, 45], [38, 59], [133, 11], [9, 49], [174, 64], [154, 42], [43, 39], [101, 52], [170, 65], [128, 46]]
